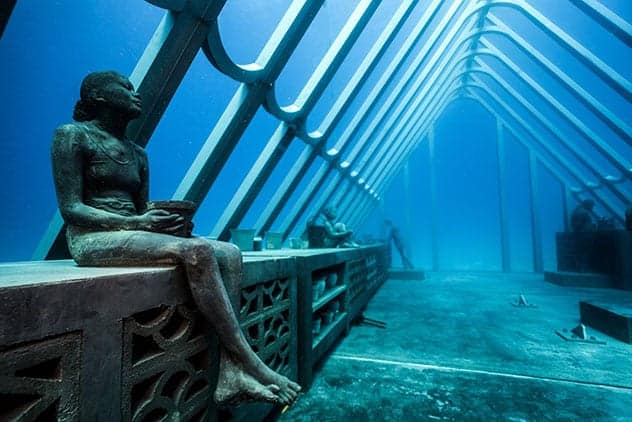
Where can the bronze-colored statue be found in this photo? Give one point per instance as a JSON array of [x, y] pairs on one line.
[[324, 232], [101, 180], [394, 235], [582, 217]]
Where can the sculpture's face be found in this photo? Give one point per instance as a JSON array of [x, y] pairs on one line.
[[120, 94]]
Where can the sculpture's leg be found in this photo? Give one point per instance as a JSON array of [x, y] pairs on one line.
[[231, 269], [230, 265], [242, 374]]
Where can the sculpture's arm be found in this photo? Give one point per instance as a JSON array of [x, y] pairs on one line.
[[67, 157], [331, 232], [143, 194]]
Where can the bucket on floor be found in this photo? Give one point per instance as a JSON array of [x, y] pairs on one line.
[[274, 240], [243, 238]]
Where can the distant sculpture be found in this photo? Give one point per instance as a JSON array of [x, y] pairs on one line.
[[324, 232], [628, 218], [582, 218], [102, 183], [394, 235]]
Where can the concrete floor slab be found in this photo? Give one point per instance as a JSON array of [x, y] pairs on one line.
[[459, 333], [348, 389]]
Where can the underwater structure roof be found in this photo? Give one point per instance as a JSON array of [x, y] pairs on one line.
[[554, 75]]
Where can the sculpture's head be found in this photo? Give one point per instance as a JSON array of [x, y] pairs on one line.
[[110, 90], [589, 204], [330, 212]]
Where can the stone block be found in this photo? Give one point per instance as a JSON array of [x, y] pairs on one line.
[[569, 279], [613, 319]]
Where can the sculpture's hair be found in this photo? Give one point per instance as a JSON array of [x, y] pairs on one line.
[[91, 88]]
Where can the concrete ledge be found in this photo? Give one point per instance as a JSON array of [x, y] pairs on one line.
[[613, 319], [405, 274], [127, 343], [569, 279]]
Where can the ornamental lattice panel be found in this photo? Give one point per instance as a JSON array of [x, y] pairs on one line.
[[264, 314], [40, 381], [166, 365], [357, 271]]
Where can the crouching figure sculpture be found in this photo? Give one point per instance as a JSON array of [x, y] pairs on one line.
[[101, 180]]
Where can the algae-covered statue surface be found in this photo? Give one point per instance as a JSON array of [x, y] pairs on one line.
[[324, 232], [101, 180]]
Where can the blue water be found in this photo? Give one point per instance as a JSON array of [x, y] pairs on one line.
[[48, 46]]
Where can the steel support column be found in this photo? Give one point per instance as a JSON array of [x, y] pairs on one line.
[[433, 199], [536, 234], [502, 200]]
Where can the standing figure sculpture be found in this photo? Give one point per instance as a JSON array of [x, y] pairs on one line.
[[394, 235], [102, 186]]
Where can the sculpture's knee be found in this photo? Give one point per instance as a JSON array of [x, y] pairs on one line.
[[196, 251], [233, 253]]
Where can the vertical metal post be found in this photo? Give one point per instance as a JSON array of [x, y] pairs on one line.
[[504, 226], [407, 197], [536, 235], [433, 199], [407, 207]]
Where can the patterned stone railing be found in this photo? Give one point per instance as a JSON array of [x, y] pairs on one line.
[[128, 344]]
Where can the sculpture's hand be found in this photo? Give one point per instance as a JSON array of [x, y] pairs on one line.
[[160, 221]]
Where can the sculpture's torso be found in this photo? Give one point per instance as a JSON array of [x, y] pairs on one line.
[[112, 172]]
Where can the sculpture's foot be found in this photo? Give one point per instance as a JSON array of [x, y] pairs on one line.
[[235, 386], [288, 389]]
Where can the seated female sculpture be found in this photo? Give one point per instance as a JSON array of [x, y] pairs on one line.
[[101, 180], [324, 232]]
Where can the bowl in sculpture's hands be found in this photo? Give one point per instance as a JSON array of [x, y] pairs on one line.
[[184, 209]]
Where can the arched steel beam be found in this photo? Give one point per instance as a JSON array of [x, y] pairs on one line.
[[541, 140], [550, 167], [333, 116], [433, 95], [326, 196], [285, 132], [393, 68], [424, 118], [619, 126], [306, 159], [222, 140], [612, 22], [218, 56], [555, 131], [596, 65], [607, 179], [415, 73], [291, 181], [560, 37], [617, 160], [298, 111]]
